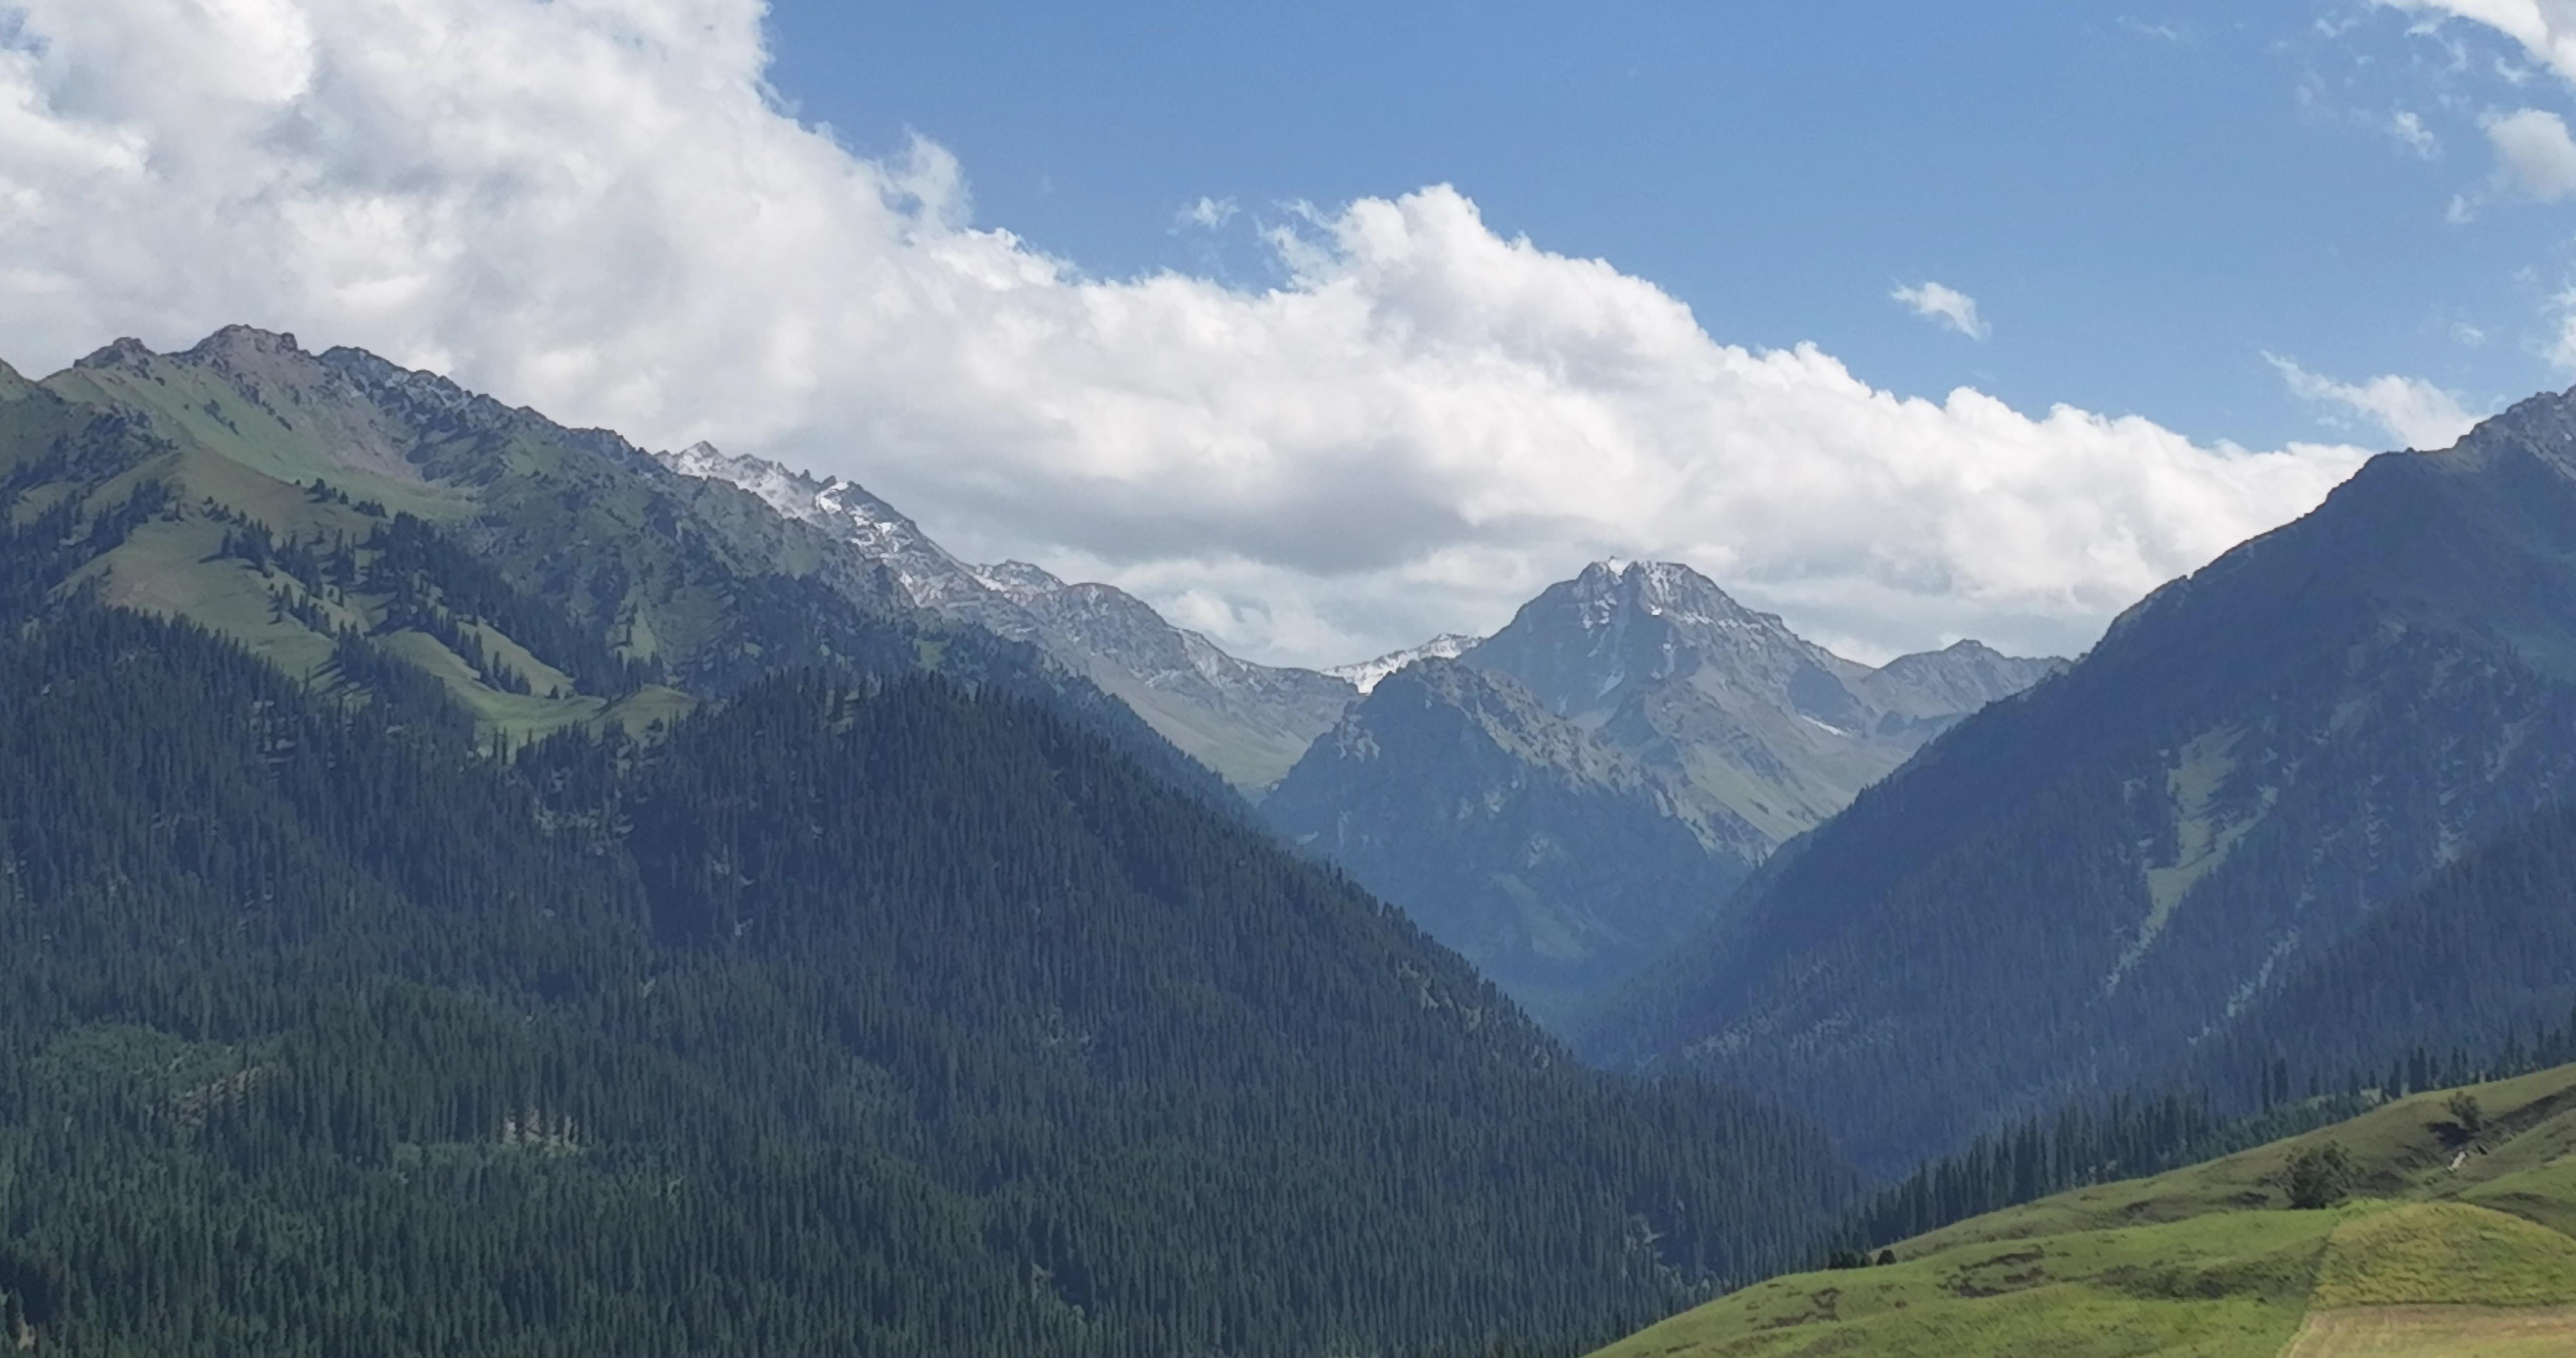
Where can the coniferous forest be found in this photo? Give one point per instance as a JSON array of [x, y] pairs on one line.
[[854, 1016]]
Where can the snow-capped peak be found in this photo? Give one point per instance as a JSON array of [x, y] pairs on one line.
[[1365, 675]]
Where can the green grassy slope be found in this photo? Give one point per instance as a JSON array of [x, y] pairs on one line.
[[661, 589], [2454, 1243]]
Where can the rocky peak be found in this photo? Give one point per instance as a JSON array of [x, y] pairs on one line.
[[238, 342], [124, 352], [2542, 427], [1589, 642]]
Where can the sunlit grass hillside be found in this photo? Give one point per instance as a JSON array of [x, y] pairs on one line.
[[2455, 1239]]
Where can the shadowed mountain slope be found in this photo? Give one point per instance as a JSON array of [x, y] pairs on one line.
[[2072, 887]]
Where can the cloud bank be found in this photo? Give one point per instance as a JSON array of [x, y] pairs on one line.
[[597, 208]]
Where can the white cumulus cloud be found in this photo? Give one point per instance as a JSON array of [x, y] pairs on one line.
[[595, 207], [2412, 410], [2535, 153], [1948, 305]]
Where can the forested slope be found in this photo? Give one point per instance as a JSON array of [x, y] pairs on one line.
[[877, 1018]]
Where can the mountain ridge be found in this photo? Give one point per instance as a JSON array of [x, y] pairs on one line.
[[1248, 721], [2066, 890]]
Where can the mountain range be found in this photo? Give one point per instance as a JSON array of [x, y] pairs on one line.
[[605, 900], [1248, 722], [468, 888]]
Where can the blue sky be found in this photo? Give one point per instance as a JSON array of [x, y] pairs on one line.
[[2143, 203]]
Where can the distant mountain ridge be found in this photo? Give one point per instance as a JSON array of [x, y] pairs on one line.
[[1250, 722], [1576, 794], [1365, 675]]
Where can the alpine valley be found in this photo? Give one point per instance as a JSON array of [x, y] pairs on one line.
[[475, 886]]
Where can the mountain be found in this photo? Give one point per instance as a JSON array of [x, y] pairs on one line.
[[1249, 722], [545, 576], [1656, 660], [1575, 795], [923, 570], [1556, 864], [846, 1008], [2083, 884], [2456, 1240], [1365, 675]]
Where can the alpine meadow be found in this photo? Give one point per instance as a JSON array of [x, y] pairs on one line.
[[754, 677]]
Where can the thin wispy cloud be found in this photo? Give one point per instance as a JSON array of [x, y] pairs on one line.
[[2546, 29], [1207, 214], [1947, 305], [2413, 411], [2406, 127], [600, 210]]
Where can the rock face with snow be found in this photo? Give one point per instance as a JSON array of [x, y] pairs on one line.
[[1248, 722], [1365, 675], [1525, 803]]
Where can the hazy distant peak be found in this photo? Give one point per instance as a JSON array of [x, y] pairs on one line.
[[1367, 674]]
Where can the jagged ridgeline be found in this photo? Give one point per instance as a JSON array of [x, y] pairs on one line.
[[850, 1013]]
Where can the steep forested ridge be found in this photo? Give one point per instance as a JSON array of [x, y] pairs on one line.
[[2065, 893], [881, 1020], [2478, 961]]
